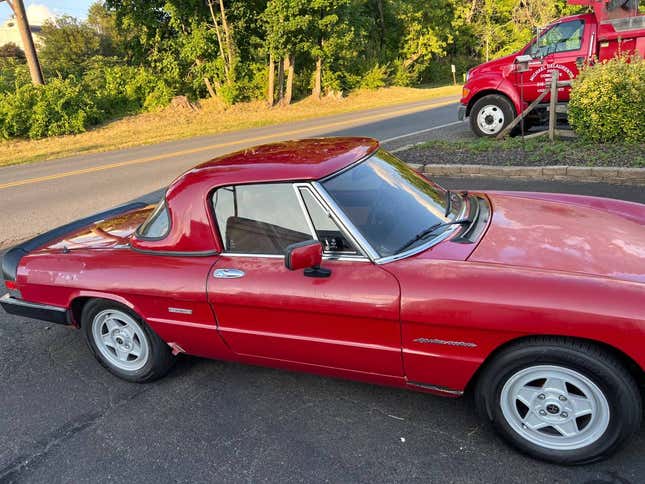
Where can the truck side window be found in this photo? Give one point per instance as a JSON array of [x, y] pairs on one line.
[[562, 37]]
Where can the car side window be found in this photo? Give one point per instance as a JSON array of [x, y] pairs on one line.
[[330, 236], [563, 37], [260, 219], [157, 225]]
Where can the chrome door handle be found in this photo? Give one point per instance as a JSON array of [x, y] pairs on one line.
[[228, 274]]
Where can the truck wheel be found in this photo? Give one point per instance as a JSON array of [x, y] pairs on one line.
[[490, 115], [563, 401], [123, 343]]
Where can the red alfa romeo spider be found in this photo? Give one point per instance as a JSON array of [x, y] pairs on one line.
[[332, 256]]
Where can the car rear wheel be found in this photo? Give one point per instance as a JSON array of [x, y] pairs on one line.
[[490, 115], [123, 343], [563, 401]]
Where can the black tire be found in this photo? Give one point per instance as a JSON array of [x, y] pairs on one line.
[[158, 358], [605, 371], [501, 114]]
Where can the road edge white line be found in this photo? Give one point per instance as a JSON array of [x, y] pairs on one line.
[[389, 140]]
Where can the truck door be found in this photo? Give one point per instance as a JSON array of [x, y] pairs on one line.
[[563, 47]]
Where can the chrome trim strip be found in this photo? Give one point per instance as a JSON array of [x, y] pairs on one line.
[[303, 208], [437, 388], [180, 311], [345, 224], [259, 256], [331, 255], [7, 299]]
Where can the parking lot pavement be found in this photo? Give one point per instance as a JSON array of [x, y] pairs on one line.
[[64, 419]]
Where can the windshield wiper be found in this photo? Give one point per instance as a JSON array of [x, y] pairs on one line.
[[431, 230]]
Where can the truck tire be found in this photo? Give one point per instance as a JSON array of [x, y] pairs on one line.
[[490, 115]]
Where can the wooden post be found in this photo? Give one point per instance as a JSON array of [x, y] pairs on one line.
[[28, 42], [553, 118]]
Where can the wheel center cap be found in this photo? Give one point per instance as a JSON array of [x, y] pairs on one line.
[[489, 119], [553, 409]]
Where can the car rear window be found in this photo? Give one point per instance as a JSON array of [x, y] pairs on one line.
[[157, 225]]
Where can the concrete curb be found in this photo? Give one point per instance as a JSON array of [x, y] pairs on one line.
[[619, 176]]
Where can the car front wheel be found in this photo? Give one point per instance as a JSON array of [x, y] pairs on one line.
[[123, 343], [566, 402]]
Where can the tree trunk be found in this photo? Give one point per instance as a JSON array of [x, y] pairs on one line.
[[220, 43], [209, 86], [280, 82], [381, 12], [289, 66], [317, 91], [271, 87], [227, 31]]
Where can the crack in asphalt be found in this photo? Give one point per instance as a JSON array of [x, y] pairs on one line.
[[40, 450]]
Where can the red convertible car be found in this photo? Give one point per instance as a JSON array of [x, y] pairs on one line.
[[332, 256]]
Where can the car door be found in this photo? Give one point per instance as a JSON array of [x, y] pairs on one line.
[[562, 48], [348, 321]]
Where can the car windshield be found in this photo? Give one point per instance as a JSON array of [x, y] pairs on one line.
[[390, 204]]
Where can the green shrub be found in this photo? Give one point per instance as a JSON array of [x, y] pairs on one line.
[[60, 107], [119, 90], [375, 78], [15, 111], [608, 101]]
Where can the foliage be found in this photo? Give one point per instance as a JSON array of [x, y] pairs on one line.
[[608, 101], [130, 56], [375, 78], [67, 44], [60, 107], [11, 51]]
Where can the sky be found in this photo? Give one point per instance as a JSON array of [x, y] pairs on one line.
[[40, 8]]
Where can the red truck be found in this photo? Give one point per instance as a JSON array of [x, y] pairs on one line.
[[497, 91]]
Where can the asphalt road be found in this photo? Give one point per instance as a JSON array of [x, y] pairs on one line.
[[38, 196], [65, 419]]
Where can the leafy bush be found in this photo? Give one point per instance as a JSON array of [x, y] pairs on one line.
[[375, 78], [119, 90], [60, 107], [608, 101]]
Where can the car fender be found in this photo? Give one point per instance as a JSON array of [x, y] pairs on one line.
[[85, 294], [492, 84]]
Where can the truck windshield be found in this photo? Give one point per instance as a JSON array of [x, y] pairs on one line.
[[562, 37], [390, 204]]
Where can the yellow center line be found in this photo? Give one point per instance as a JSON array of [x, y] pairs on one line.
[[255, 140]]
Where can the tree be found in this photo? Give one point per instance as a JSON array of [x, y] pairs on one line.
[[12, 51], [330, 39], [286, 23], [67, 45]]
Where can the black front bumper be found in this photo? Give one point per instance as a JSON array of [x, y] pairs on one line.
[[461, 113], [43, 312]]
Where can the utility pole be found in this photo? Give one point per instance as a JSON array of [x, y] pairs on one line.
[[27, 41]]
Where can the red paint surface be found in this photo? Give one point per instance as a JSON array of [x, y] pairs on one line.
[[546, 265]]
